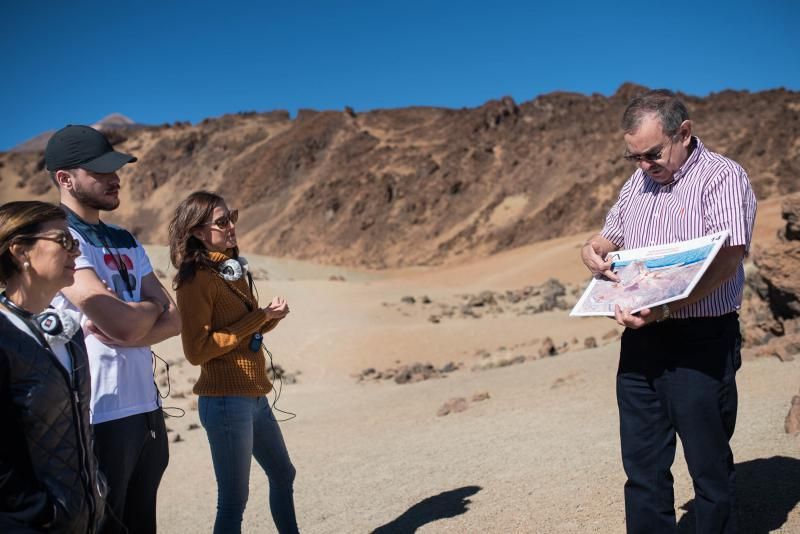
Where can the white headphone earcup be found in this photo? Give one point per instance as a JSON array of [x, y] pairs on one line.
[[59, 326], [231, 270]]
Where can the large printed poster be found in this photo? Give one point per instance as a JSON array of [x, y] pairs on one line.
[[650, 276]]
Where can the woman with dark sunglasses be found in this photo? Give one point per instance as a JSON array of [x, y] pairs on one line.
[[222, 329], [48, 474]]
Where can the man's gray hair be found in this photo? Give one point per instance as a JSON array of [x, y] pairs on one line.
[[661, 102]]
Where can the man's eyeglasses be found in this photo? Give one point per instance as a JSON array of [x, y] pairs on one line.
[[225, 221], [651, 156], [65, 239]]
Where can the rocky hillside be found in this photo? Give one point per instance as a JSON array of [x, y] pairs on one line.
[[418, 186], [771, 311]]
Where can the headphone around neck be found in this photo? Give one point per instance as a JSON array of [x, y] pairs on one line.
[[57, 326], [232, 269]]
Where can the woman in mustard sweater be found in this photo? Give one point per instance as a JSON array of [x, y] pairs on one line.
[[222, 329]]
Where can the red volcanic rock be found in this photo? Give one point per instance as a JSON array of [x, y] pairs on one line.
[[415, 186], [774, 290]]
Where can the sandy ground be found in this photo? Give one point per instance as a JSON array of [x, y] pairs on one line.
[[540, 455]]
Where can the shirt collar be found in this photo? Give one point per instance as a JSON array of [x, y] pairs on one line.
[[690, 162]]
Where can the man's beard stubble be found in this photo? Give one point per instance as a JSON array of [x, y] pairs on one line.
[[91, 201]]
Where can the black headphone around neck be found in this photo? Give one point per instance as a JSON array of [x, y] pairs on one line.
[[48, 322]]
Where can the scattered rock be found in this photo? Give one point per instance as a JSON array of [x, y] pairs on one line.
[[547, 348], [784, 348], [193, 426], [485, 298], [792, 424], [449, 367], [177, 438], [551, 295], [178, 395], [280, 374], [611, 334], [481, 396], [454, 405], [408, 374], [566, 380], [590, 342]]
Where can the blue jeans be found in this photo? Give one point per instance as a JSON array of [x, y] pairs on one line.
[[238, 429]]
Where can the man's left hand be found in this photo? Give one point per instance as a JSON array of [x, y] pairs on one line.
[[90, 328], [641, 318]]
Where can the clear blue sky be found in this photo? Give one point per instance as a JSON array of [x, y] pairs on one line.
[[163, 61]]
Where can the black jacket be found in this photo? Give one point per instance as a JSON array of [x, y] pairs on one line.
[[48, 471]]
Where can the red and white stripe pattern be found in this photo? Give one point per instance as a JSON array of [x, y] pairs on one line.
[[709, 193]]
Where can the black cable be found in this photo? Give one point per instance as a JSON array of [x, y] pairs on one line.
[[165, 409], [277, 391]]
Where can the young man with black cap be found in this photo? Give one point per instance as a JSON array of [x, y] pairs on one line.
[[125, 310]]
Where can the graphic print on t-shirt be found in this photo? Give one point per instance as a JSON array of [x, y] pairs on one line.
[[117, 283]]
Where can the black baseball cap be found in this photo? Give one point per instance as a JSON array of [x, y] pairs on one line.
[[76, 146]]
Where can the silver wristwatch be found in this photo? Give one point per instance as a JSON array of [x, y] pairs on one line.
[[665, 313]]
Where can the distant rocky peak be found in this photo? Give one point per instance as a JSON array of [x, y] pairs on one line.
[[113, 120]]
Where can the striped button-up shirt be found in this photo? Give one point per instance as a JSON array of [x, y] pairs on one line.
[[709, 193]]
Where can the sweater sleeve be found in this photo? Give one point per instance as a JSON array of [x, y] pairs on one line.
[[201, 343]]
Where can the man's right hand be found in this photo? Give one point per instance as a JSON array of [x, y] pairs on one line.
[[595, 263]]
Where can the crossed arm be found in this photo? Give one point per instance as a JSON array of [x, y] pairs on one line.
[[116, 322]]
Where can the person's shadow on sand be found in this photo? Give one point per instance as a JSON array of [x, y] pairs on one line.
[[446, 504], [767, 490]]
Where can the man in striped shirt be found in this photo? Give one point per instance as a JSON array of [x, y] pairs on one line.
[[678, 362]]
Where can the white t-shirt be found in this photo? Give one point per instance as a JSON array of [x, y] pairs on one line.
[[122, 377]]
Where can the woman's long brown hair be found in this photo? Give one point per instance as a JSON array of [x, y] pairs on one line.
[[186, 252]]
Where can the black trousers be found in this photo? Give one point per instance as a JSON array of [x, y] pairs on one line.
[[678, 377], [133, 454]]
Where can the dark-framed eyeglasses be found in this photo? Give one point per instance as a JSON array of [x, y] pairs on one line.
[[225, 221], [65, 239], [651, 156]]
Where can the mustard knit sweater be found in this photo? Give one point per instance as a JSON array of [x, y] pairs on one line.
[[217, 329]]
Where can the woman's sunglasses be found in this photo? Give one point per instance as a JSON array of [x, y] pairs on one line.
[[225, 221], [65, 239]]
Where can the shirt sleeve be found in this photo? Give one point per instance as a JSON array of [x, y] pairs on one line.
[[730, 204], [201, 342], [142, 261], [84, 261]]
